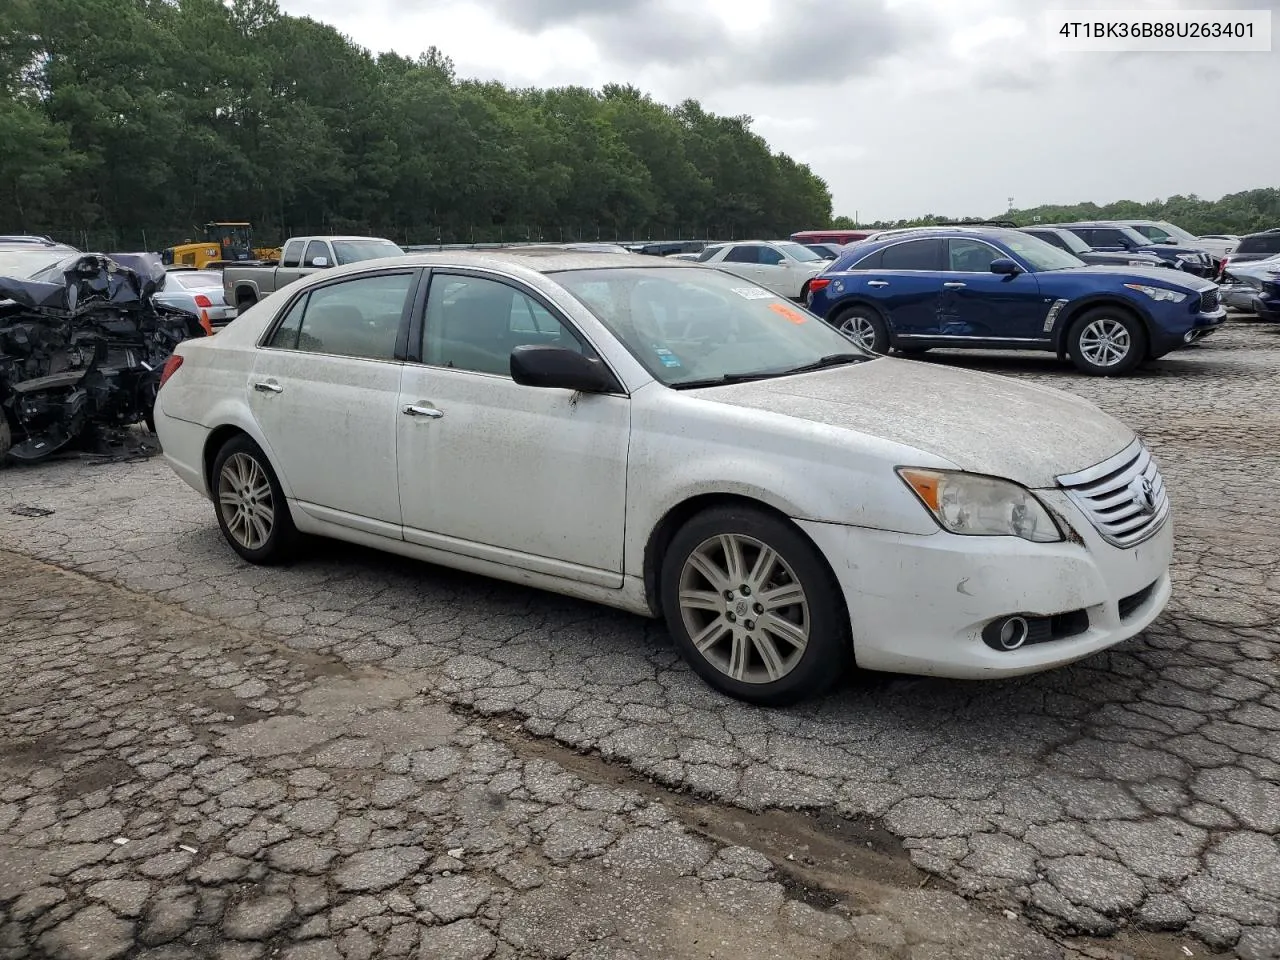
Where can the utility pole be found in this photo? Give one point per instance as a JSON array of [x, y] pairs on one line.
[[1011, 204]]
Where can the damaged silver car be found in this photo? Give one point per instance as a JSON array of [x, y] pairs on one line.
[[82, 346]]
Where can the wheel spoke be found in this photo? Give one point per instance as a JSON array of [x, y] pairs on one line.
[[710, 634], [787, 595], [763, 569], [738, 657], [267, 513], [769, 656], [785, 630], [735, 564], [229, 499], [709, 570], [701, 600]]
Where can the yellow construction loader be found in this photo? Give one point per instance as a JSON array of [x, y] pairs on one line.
[[224, 242]]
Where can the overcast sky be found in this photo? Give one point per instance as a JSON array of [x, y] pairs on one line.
[[904, 107]]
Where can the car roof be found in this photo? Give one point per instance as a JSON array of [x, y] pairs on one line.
[[539, 259]]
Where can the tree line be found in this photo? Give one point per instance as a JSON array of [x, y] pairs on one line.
[[1248, 211], [128, 123]]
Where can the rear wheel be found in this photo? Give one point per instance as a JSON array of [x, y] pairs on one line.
[[864, 326], [753, 607], [1107, 342], [252, 512]]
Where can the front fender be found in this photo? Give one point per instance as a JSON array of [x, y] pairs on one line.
[[1079, 305]]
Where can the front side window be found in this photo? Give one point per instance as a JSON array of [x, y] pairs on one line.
[[473, 323], [691, 326], [315, 248], [798, 251], [970, 256], [770, 257], [356, 318]]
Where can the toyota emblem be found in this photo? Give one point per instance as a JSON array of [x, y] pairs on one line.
[[1144, 495]]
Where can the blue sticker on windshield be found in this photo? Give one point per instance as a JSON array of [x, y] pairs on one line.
[[666, 357]]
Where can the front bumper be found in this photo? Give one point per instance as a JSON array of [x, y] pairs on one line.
[[918, 604]]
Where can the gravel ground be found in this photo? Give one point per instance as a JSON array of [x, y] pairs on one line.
[[321, 737]]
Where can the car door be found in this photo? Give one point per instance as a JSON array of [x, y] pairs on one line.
[[979, 304], [776, 272], [324, 390], [905, 281], [527, 476], [290, 270]]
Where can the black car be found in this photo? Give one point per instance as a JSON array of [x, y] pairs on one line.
[[1255, 246], [1068, 241], [1105, 236]]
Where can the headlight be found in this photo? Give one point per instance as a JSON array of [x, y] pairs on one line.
[[1158, 293], [973, 505], [1188, 257]]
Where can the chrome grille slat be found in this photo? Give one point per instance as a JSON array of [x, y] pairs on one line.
[[1105, 494]]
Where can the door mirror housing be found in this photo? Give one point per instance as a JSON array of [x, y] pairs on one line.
[[1005, 267], [536, 365], [320, 261]]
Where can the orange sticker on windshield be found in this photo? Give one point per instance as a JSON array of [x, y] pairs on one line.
[[792, 314]]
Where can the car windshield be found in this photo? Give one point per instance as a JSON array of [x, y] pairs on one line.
[[353, 251], [1074, 243], [797, 251], [1038, 255], [1177, 233], [197, 281], [696, 326], [823, 252], [22, 264]]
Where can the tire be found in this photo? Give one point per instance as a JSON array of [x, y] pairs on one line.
[[1097, 334], [747, 660], [240, 472], [865, 326]]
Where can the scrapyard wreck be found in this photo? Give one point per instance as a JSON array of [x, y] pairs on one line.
[[82, 347]]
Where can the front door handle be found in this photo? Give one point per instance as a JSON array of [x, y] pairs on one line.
[[877, 283], [953, 285], [419, 410], [268, 386]]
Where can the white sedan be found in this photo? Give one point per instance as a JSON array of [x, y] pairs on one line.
[[680, 443], [781, 266]]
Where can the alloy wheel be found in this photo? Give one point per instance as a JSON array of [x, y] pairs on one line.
[[246, 501], [744, 608], [859, 330], [1105, 342]]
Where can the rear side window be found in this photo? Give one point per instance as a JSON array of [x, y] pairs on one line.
[[1260, 243], [913, 255], [285, 336], [292, 256], [356, 318], [743, 255]]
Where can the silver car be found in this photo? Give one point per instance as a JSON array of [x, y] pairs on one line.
[[199, 292], [1242, 284]]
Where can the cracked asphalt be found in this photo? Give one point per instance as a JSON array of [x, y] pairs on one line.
[[360, 756]]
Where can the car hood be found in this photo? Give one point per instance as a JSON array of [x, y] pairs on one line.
[[1177, 279], [980, 422], [1108, 258]]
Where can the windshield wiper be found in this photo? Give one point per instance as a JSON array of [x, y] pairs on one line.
[[721, 381], [831, 360]]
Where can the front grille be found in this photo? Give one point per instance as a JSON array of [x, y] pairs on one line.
[[1123, 497], [1132, 602], [1209, 301]]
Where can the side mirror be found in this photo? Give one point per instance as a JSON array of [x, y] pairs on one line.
[[534, 365], [319, 261], [1005, 267]]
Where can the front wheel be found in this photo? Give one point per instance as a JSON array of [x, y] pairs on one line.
[[864, 326], [252, 512], [1106, 342], [754, 608]]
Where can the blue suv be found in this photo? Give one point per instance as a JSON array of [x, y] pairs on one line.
[[1003, 289]]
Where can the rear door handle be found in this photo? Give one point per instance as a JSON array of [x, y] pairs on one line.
[[268, 386], [420, 410], [877, 283], [953, 285]]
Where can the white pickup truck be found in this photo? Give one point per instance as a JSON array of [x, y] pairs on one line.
[[245, 286]]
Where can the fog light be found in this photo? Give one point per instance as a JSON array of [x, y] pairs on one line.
[[1007, 634], [1190, 336]]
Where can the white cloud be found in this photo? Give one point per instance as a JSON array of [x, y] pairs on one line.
[[903, 106]]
